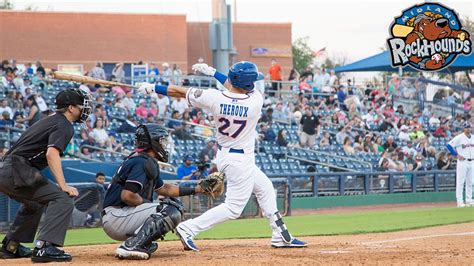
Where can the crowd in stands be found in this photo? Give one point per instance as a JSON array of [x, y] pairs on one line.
[[366, 119]]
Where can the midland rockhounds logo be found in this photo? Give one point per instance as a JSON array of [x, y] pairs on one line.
[[427, 37]]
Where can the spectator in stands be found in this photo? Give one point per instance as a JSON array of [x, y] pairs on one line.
[[6, 121], [280, 113], [444, 161], [358, 143], [418, 133], [129, 125], [99, 134], [400, 111], [5, 108], [119, 104], [153, 70], [434, 121], [403, 134], [326, 140], [333, 80], [275, 72], [441, 131], [98, 71], [266, 133], [425, 148], [176, 75], [294, 75], [34, 114], [420, 164], [209, 152], [341, 95], [310, 128], [40, 69], [179, 104], [188, 171], [281, 138], [150, 118], [153, 108], [100, 179], [267, 117], [166, 74], [142, 111], [348, 149], [163, 102], [128, 102], [390, 143], [341, 134], [387, 125], [118, 73], [378, 146]]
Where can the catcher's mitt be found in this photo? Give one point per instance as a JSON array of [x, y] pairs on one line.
[[213, 185]]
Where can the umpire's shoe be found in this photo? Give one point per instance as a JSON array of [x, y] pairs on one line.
[[186, 238], [14, 250], [50, 253], [294, 243]]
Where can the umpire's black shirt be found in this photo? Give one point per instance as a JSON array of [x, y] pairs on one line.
[[53, 131]]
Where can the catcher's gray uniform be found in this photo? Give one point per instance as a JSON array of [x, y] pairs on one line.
[[139, 174]]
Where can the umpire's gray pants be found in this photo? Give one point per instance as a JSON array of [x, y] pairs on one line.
[[59, 207], [121, 223]]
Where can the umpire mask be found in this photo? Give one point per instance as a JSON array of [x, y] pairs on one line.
[[153, 136], [75, 97]]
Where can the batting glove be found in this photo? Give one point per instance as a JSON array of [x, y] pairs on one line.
[[205, 69], [146, 88]]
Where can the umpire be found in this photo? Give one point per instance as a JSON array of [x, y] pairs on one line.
[[41, 146]]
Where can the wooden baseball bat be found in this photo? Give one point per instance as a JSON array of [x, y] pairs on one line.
[[88, 80]]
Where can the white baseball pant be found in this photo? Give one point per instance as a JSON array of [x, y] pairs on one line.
[[243, 179], [464, 176]]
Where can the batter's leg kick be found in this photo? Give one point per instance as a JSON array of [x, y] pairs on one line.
[[142, 244]]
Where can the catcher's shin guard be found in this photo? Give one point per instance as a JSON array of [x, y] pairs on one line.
[[285, 235], [156, 226]]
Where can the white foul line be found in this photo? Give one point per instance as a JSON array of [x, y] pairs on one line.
[[416, 237]]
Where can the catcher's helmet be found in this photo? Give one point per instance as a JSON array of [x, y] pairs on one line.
[[243, 74], [153, 136], [75, 97]]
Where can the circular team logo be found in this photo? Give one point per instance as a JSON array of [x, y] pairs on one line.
[[427, 37]]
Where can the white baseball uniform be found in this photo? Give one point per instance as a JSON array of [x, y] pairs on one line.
[[464, 169], [236, 117]]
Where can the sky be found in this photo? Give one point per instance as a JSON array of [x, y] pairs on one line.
[[351, 29]]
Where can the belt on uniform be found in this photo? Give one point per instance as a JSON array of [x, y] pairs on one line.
[[231, 150], [470, 160]]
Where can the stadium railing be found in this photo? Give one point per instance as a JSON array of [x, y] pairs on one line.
[[348, 183]]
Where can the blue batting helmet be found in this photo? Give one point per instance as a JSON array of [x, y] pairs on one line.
[[243, 74]]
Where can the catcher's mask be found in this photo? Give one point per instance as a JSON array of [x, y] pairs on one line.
[[75, 97], [153, 136]]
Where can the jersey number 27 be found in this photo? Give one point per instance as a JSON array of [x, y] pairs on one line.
[[226, 124]]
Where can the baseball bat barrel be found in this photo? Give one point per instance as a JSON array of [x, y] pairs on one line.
[[88, 80]]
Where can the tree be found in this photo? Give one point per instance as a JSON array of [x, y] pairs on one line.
[[6, 4], [302, 54]]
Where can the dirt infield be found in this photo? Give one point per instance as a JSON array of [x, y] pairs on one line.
[[449, 244]]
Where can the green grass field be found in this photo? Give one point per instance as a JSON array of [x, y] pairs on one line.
[[311, 225]]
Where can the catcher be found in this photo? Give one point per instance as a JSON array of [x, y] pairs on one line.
[[129, 211]]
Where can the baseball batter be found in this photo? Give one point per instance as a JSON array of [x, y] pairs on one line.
[[462, 146], [236, 114]]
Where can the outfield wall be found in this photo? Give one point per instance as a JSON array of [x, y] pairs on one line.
[[371, 199]]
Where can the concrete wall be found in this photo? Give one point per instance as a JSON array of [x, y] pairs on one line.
[[85, 38]]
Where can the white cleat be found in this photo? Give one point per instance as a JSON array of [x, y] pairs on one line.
[[470, 204], [461, 205], [294, 243], [124, 253]]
